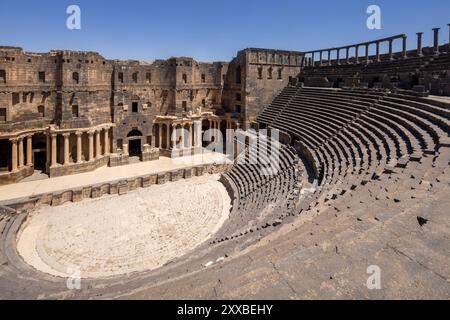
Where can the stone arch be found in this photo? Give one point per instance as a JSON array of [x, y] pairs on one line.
[[134, 133]]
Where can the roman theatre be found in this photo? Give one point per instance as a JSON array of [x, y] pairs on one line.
[[279, 174]]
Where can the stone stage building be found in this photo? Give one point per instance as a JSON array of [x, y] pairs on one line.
[[67, 112]]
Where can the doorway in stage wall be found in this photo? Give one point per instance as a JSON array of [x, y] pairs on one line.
[[40, 152], [135, 148], [40, 160], [135, 145]]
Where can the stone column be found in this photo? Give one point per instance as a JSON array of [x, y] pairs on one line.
[[404, 38], [79, 145], [210, 128], [167, 136], [106, 143], [348, 55], [195, 129], [182, 137], [98, 151], [329, 57], [448, 33], [29, 151], [390, 49], [174, 135], [21, 162], [320, 61], [66, 148], [160, 135], [54, 141], [13, 155], [191, 141], [312, 59], [91, 145], [357, 54], [436, 40], [48, 148], [419, 44], [367, 53], [378, 51], [338, 58]]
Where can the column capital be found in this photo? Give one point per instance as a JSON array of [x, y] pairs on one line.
[[66, 134], [419, 33], [14, 140], [79, 133], [91, 133], [436, 29]]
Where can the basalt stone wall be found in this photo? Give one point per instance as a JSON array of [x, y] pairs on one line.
[[27, 88], [256, 76]]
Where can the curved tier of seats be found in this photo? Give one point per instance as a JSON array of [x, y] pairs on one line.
[[353, 137], [264, 183]]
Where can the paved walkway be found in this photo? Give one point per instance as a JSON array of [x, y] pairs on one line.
[[103, 175]]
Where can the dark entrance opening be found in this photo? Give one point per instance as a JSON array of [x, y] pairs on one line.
[[415, 80], [338, 82], [40, 152], [5, 148], [134, 143], [135, 148], [40, 160]]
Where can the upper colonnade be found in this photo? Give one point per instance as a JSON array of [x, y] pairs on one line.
[[323, 57]]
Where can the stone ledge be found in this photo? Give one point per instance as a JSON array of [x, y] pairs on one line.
[[75, 168], [109, 188], [13, 177]]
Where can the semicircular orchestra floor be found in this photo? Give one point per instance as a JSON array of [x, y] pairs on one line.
[[116, 235]]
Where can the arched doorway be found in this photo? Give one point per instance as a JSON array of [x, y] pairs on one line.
[[134, 143]]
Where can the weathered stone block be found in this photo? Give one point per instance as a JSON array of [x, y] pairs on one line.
[[145, 182], [187, 173], [96, 192], [113, 188], [175, 175], [87, 192], [199, 171], [77, 195], [162, 178], [122, 187], [57, 199]]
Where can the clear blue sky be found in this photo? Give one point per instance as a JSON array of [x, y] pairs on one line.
[[211, 30]]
